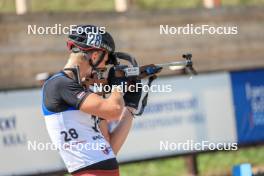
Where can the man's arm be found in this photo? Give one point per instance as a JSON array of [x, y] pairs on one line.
[[117, 137], [120, 133], [76, 96], [109, 109]]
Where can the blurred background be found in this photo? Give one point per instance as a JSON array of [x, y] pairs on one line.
[[226, 63]]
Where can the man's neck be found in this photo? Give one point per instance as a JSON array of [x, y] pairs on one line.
[[67, 70]]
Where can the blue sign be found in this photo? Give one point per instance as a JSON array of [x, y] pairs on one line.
[[248, 96]]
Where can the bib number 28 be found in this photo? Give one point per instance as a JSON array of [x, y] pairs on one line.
[[69, 135], [94, 39]]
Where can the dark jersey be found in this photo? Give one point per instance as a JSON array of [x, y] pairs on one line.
[[68, 126], [61, 93]]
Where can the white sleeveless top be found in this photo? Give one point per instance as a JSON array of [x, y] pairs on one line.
[[75, 133]]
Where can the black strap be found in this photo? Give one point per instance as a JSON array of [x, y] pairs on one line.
[[145, 99], [101, 57], [76, 73]]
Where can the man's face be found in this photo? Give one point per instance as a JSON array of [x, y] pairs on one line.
[[85, 69], [97, 55]]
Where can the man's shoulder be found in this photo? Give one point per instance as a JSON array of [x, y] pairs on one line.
[[58, 78], [55, 82]]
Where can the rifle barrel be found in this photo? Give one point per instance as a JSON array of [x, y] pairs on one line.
[[176, 63]]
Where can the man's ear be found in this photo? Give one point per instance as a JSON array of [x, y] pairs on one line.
[[94, 56]]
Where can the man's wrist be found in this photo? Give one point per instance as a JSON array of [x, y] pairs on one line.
[[131, 110]]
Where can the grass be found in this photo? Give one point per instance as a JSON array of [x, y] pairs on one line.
[[217, 163], [108, 5], [7, 6], [168, 4], [70, 5], [173, 166], [209, 164], [61, 5], [222, 162]]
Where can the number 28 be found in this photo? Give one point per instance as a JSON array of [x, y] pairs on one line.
[[71, 134]]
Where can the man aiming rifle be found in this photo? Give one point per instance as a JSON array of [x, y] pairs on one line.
[[72, 111]]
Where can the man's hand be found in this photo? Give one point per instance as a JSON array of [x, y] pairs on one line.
[[113, 80], [110, 108], [132, 97]]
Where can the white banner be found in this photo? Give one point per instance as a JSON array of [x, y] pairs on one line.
[[21, 122], [196, 112]]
